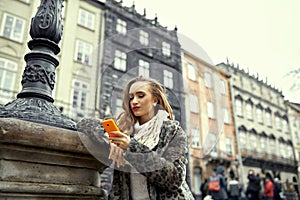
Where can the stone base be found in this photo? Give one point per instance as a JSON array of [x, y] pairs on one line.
[[44, 162]]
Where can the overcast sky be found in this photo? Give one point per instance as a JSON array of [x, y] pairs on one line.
[[260, 35]]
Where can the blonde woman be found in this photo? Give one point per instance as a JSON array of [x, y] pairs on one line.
[[150, 149]]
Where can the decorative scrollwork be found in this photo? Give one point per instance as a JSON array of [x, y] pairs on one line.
[[35, 73]]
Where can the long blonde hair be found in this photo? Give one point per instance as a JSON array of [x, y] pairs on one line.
[[126, 119]]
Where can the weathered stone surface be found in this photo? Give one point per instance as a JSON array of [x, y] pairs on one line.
[[44, 162]]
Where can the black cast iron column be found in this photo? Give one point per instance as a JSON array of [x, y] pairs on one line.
[[35, 103]]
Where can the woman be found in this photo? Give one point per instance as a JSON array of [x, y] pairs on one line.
[[150, 150]]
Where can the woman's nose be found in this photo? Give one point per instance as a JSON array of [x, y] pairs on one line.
[[134, 100]]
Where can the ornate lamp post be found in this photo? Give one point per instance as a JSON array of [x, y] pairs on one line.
[[35, 103]]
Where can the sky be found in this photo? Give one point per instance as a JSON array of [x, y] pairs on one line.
[[261, 36]]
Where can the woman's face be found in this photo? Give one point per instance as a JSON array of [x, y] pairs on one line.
[[142, 101]]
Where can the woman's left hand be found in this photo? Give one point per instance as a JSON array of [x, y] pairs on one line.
[[122, 140]]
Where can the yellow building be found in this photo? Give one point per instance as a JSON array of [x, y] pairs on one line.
[[210, 124]]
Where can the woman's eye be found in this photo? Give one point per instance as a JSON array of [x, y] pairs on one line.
[[141, 95]]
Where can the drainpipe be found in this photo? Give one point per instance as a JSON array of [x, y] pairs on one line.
[[240, 160]]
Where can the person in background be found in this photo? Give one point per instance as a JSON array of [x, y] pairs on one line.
[[268, 188], [253, 188], [204, 188], [234, 189], [277, 189], [222, 193], [149, 153]]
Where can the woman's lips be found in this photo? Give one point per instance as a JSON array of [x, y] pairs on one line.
[[135, 108]]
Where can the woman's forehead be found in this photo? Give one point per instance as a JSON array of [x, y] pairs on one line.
[[137, 86]]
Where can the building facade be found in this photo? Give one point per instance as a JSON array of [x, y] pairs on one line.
[[76, 76], [14, 34], [294, 119], [210, 124], [261, 118], [136, 46]]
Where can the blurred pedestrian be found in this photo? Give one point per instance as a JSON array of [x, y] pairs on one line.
[[277, 189], [253, 188], [268, 188], [234, 189], [204, 188], [221, 193]]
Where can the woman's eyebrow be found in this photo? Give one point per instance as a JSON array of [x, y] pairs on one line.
[[137, 92]]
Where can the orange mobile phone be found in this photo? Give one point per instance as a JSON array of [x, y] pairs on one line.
[[110, 125]]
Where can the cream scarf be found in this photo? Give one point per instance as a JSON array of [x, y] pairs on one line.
[[148, 135]]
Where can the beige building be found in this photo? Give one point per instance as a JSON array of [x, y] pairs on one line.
[[77, 74], [15, 19], [294, 119], [261, 117], [210, 124]]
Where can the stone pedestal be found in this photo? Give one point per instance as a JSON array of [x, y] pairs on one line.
[[44, 162]]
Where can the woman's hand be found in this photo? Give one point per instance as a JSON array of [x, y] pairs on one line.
[[116, 156], [121, 140]]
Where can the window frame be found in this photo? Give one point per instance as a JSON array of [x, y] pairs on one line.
[[86, 19], [121, 26], [13, 27], [121, 57], [81, 47]]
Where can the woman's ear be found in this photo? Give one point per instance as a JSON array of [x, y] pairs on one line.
[[155, 101]]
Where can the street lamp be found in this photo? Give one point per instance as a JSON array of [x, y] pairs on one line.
[[35, 103]]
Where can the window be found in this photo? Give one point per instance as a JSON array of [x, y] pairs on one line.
[[277, 122], [79, 98], [86, 19], [285, 125], [144, 38], [213, 144], [229, 146], [191, 72], [253, 141], [168, 79], [121, 26], [259, 115], [243, 138], [166, 49], [226, 116], [143, 68], [25, 1], [119, 108], [289, 152], [195, 138], [210, 110], [297, 138], [272, 147], [262, 144], [12, 27], [120, 60], [239, 107], [7, 79], [249, 110], [194, 104], [83, 52], [208, 79], [223, 87], [268, 119], [282, 149]]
